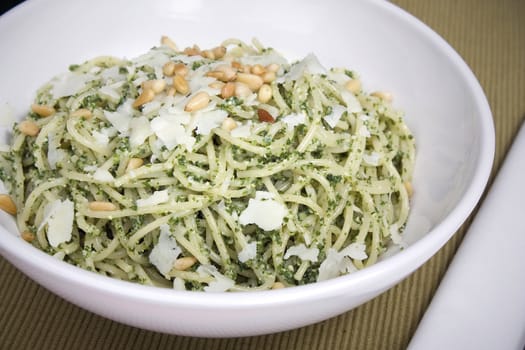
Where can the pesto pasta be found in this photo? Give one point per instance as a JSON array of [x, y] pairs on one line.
[[226, 169]]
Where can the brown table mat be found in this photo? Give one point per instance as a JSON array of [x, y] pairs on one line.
[[490, 36]]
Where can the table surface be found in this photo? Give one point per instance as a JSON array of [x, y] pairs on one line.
[[490, 36]]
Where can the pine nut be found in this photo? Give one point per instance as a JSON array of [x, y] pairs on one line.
[[134, 163], [146, 96], [265, 93], [246, 69], [353, 85], [228, 124], [198, 101], [27, 236], [7, 204], [42, 110], [157, 85], [102, 206], [228, 90], [82, 113], [219, 52], [184, 263], [168, 68], [268, 77], [258, 69], [272, 67], [228, 72], [265, 116], [384, 95], [208, 54], [180, 84], [409, 188], [237, 65], [29, 128], [180, 69], [242, 90], [215, 74], [165, 40], [171, 91], [278, 285], [192, 51], [216, 85], [253, 81]]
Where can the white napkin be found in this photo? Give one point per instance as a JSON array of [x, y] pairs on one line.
[[480, 303]]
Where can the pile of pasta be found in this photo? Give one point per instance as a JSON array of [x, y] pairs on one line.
[[221, 169]]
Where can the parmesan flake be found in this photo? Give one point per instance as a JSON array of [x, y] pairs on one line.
[[220, 283], [165, 252], [337, 263], [333, 118], [171, 131], [140, 130], [264, 211], [103, 175], [58, 216], [248, 252], [243, 130], [302, 252], [158, 197]]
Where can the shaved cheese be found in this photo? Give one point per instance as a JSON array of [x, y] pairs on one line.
[[155, 59], [58, 216], [242, 130], [338, 76], [352, 103], [171, 131], [151, 107], [206, 121], [264, 211], [302, 252], [248, 252], [179, 284], [199, 82], [396, 237], [309, 64], [157, 197], [220, 283], [333, 118], [337, 263], [109, 93], [294, 119], [100, 138], [165, 252], [103, 175], [121, 118], [140, 130], [90, 168], [69, 84], [355, 251], [111, 74]]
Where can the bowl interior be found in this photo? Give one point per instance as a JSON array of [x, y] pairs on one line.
[[444, 106]]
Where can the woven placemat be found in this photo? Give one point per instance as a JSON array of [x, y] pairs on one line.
[[490, 36]]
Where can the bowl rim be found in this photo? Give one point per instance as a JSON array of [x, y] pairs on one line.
[[16, 249]]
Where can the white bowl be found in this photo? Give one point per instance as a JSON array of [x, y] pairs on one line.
[[444, 104]]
